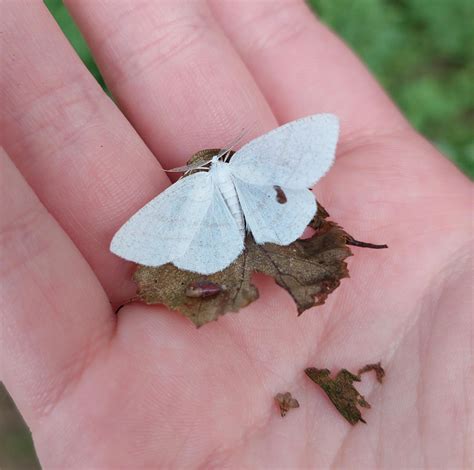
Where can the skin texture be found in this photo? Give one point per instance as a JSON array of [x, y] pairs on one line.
[[144, 388]]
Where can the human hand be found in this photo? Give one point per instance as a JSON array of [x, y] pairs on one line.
[[144, 388]]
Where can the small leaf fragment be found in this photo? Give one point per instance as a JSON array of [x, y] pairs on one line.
[[377, 368], [341, 392], [286, 402]]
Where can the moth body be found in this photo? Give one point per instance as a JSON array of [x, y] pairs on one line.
[[221, 177]]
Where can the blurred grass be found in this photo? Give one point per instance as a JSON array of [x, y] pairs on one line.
[[422, 53], [16, 446]]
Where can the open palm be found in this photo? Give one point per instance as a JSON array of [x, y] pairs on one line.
[[144, 388]]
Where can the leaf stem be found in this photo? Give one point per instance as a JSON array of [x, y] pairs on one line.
[[352, 241]]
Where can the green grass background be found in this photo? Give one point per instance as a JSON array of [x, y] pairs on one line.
[[420, 50]]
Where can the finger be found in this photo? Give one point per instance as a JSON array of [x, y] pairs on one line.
[[54, 314], [174, 73], [303, 68], [73, 146]]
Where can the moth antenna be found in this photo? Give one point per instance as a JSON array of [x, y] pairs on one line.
[[178, 169], [235, 142], [185, 168]]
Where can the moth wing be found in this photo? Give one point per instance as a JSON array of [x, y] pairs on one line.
[[163, 229], [294, 155], [183, 225], [216, 244], [275, 214]]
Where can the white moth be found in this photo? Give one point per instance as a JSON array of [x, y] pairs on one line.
[[199, 223]]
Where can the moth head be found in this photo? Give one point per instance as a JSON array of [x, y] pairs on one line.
[[202, 160]]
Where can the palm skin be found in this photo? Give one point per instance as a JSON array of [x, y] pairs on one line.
[[145, 388]]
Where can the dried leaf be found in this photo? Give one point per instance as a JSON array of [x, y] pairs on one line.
[[308, 269], [286, 402], [341, 392], [377, 368]]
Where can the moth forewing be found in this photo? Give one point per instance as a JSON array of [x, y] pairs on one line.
[[295, 155]]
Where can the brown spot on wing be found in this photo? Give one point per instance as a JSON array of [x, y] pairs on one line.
[[280, 194]]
